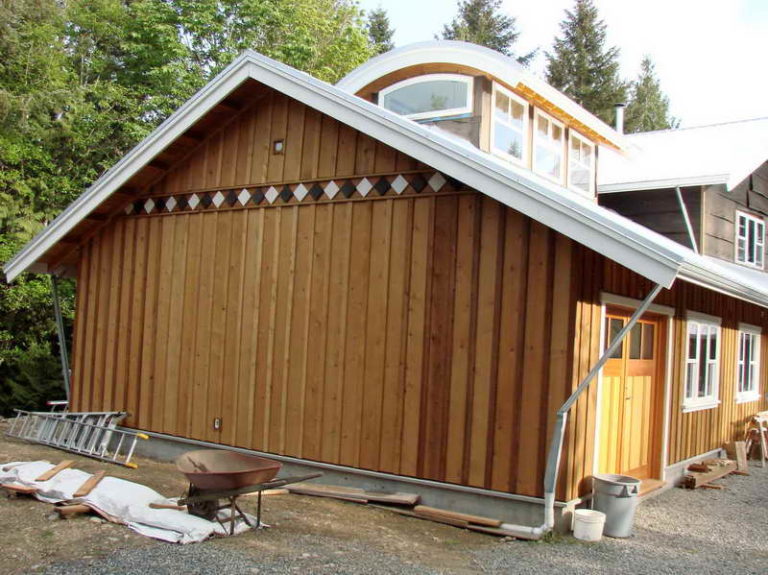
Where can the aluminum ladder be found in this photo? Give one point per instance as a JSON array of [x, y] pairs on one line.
[[88, 433]]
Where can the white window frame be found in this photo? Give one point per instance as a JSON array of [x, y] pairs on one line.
[[713, 399], [526, 125], [746, 330], [759, 240], [572, 134], [466, 109], [563, 149]]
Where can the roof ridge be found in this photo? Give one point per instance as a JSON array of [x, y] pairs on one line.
[[700, 126]]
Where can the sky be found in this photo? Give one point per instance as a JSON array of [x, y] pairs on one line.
[[709, 54]]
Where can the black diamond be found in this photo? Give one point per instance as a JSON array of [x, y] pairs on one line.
[[232, 197], [454, 183], [382, 186], [418, 183], [286, 193], [347, 189], [315, 191], [138, 205], [205, 200], [160, 204], [182, 202], [257, 196]]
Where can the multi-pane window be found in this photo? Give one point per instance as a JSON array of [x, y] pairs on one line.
[[750, 239], [510, 123], [581, 160], [429, 96], [548, 147], [747, 377], [702, 363]]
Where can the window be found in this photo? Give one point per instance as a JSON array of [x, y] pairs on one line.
[[581, 159], [548, 147], [748, 375], [750, 239], [702, 363], [429, 96], [510, 125]]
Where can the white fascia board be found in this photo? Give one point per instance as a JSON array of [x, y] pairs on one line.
[[175, 125], [663, 184], [722, 282], [619, 239]]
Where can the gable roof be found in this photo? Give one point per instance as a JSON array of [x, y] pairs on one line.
[[497, 65], [718, 154], [650, 255]]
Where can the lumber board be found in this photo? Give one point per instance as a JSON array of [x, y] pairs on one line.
[[12, 488], [89, 484], [454, 515], [67, 511], [720, 468], [51, 473], [355, 494], [168, 506]]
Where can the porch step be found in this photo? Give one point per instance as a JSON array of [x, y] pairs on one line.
[[649, 486]]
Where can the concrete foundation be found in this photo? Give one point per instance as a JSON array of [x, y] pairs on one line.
[[510, 508], [673, 474]]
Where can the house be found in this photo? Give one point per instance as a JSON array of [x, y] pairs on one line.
[[404, 280]]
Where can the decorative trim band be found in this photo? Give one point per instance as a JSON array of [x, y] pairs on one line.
[[315, 190]]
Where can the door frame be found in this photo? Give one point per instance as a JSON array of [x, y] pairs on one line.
[[663, 402]]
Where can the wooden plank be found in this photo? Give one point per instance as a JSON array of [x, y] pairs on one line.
[[102, 319], [67, 511], [354, 494], [447, 514], [137, 321], [261, 141], [115, 304], [124, 324], [53, 471], [149, 336], [165, 296], [89, 484]]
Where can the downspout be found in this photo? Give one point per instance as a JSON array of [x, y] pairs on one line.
[[60, 331], [686, 219], [556, 447]]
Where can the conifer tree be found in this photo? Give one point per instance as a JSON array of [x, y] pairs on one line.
[[379, 31], [582, 66], [648, 107], [482, 22]]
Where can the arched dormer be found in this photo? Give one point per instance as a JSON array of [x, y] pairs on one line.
[[490, 101]]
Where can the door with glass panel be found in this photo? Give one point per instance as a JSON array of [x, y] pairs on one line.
[[630, 396]]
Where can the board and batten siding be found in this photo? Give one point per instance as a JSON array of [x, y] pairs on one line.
[[692, 433], [418, 334]]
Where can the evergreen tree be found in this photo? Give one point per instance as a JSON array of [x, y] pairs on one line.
[[481, 22], [379, 32], [648, 107], [581, 66]]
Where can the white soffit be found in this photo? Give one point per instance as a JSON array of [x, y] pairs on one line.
[[634, 246], [719, 154]]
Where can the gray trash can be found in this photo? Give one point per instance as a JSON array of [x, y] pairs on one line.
[[617, 497]]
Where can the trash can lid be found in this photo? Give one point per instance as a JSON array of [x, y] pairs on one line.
[[617, 479]]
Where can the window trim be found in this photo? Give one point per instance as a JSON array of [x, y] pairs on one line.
[[584, 140], [564, 155], [468, 108], [754, 395], [713, 400], [526, 125], [758, 220]]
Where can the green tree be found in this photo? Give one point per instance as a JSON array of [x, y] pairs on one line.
[[581, 66], [648, 107], [379, 31], [482, 22]]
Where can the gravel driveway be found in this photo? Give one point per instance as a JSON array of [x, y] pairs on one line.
[[702, 531]]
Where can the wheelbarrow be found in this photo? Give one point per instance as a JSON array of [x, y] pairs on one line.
[[216, 474]]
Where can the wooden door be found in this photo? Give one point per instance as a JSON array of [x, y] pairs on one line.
[[630, 398]]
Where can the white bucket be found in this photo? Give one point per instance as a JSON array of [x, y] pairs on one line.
[[588, 524]]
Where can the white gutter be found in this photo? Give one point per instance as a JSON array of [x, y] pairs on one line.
[[662, 183]]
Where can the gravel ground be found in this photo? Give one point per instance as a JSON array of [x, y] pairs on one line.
[[702, 531]]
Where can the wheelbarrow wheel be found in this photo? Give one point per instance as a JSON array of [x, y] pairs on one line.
[[205, 509]]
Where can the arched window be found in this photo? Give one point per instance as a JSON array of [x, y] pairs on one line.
[[429, 96]]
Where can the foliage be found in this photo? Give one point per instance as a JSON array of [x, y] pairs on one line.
[[379, 31], [83, 81], [582, 67], [481, 22], [648, 107]]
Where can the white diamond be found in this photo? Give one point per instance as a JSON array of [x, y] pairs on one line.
[[149, 205], [129, 209], [243, 197], [437, 181], [399, 184], [194, 201], [331, 189], [300, 192], [364, 187], [218, 199], [170, 204], [271, 194]]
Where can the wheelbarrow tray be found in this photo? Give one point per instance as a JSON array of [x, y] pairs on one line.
[[219, 469]]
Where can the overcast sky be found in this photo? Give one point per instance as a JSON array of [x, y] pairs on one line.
[[710, 55]]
